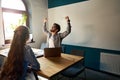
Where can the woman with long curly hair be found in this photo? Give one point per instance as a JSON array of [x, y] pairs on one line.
[[20, 56]]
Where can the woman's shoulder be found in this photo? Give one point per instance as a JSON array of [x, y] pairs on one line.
[[27, 47], [27, 50]]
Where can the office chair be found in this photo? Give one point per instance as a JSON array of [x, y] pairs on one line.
[[43, 45], [2, 60], [76, 69]]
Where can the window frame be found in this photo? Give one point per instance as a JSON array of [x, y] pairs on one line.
[[8, 41]]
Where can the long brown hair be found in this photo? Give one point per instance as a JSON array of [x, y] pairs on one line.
[[13, 67]]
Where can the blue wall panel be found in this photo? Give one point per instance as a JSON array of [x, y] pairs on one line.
[[92, 55], [55, 3]]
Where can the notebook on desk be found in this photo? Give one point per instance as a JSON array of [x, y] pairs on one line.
[[52, 52], [38, 52]]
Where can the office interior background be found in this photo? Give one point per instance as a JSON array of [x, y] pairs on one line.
[[95, 28]]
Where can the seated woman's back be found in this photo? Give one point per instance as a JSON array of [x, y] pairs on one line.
[[17, 61]]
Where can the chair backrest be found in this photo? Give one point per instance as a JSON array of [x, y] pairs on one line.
[[2, 60], [43, 45], [78, 52]]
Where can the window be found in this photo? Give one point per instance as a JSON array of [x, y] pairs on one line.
[[14, 14]]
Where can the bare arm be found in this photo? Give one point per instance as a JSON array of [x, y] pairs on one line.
[[68, 30]]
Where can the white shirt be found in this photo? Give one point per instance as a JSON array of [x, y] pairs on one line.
[[51, 42]]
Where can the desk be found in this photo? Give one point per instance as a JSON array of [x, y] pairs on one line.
[[54, 65], [37, 52]]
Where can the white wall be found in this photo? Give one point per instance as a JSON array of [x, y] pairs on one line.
[[95, 23], [39, 10]]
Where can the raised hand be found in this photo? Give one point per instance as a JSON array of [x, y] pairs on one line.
[[67, 18], [45, 20]]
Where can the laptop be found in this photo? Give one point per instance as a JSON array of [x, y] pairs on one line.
[[52, 52]]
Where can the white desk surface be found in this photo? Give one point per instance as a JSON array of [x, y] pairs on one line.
[[37, 52]]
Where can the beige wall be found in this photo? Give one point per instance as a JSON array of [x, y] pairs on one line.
[[39, 10], [95, 23]]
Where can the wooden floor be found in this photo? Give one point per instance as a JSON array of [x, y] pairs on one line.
[[90, 75]]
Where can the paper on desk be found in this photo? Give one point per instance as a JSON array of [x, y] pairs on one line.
[[4, 52], [38, 52]]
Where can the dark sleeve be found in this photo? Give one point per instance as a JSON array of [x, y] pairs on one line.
[[68, 30], [31, 59], [45, 29]]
